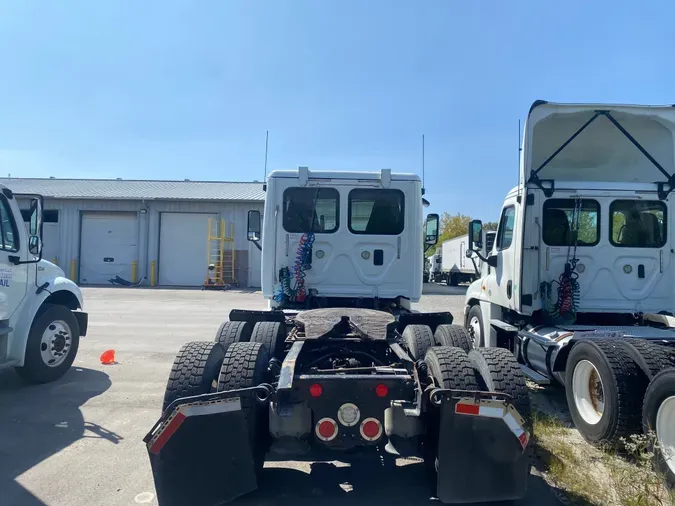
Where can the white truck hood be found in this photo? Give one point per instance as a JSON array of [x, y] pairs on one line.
[[601, 152]]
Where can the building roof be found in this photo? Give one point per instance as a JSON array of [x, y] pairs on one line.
[[122, 189]]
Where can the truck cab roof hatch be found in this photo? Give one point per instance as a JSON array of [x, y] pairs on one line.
[[548, 190]]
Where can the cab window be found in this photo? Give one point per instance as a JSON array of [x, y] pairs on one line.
[[9, 238], [314, 210], [559, 221], [376, 212], [505, 232], [638, 223]]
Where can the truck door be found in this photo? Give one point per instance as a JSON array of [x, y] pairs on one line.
[[502, 282], [13, 278]]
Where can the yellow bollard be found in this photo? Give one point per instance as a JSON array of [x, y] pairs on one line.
[[152, 273], [73, 270], [134, 269]]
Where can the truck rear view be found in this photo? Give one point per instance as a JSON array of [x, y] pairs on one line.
[[341, 368]]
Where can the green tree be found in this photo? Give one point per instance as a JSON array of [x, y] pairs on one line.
[[490, 226]]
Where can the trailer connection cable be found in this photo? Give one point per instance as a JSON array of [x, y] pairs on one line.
[[564, 311], [297, 292]]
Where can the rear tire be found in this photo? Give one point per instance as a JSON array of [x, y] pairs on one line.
[[658, 415], [449, 368], [651, 358], [271, 335], [454, 336], [194, 371], [246, 365], [498, 371], [233, 332], [418, 339], [604, 389]]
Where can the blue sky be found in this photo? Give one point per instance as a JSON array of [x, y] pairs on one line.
[[186, 89]]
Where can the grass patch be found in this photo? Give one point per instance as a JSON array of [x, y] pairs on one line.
[[589, 476]]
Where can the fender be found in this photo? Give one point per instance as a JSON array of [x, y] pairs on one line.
[[60, 290]]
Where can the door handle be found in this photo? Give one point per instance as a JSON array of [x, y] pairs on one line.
[[509, 288]]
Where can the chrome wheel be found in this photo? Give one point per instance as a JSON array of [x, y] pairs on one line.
[[474, 331], [588, 392], [665, 431], [56, 342]]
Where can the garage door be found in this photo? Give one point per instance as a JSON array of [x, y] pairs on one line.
[[182, 248], [108, 246]]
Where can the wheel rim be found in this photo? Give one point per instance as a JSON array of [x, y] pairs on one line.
[[665, 431], [588, 391], [56, 343], [474, 331]]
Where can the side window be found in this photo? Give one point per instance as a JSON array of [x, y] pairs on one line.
[[638, 223], [311, 210], [505, 232], [9, 240], [376, 212], [559, 217]]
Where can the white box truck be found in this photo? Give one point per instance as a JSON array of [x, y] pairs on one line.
[[458, 267], [41, 317]]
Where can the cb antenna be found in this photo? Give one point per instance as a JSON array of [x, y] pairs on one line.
[[267, 136], [422, 164]]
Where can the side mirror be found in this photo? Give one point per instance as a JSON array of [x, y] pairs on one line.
[[34, 245], [431, 230], [35, 225], [253, 225], [475, 235]]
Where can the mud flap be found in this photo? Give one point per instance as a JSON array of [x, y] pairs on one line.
[[200, 452], [482, 450]]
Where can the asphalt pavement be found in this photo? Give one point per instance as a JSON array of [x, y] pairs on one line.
[[78, 441]]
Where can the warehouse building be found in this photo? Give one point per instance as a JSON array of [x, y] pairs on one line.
[[153, 232]]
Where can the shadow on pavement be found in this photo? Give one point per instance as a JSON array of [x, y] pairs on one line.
[[38, 421], [363, 484]]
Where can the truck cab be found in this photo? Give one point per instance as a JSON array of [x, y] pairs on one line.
[[579, 282], [41, 317], [342, 238]]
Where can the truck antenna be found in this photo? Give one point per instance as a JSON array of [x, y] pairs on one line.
[[267, 136], [422, 164]]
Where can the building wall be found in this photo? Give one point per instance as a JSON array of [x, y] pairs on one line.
[[70, 212]]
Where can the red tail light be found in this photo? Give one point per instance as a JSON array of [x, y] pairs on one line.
[[326, 429], [371, 429], [315, 390], [381, 390]]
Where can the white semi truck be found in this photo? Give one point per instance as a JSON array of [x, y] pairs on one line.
[[579, 282], [41, 317], [340, 366]]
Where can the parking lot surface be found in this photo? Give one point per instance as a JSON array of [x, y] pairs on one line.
[[78, 441]]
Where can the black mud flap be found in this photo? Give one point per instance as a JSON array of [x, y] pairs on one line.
[[200, 452], [482, 449]]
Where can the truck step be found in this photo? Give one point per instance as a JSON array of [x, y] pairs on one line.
[[539, 379]]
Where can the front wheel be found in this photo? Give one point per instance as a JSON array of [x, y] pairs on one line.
[[52, 345], [474, 324]]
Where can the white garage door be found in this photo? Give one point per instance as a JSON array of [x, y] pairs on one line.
[[108, 246], [182, 248]]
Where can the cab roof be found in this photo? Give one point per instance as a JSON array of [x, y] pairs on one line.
[[330, 174]]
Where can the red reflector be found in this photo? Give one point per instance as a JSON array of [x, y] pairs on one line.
[[467, 409], [327, 429], [315, 390], [381, 390], [371, 429]]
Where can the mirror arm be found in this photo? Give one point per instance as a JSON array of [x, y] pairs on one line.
[[257, 244], [479, 255]]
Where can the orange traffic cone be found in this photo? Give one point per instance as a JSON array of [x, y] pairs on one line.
[[108, 357]]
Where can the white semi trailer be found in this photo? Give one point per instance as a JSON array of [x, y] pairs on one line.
[[458, 267], [579, 283]]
